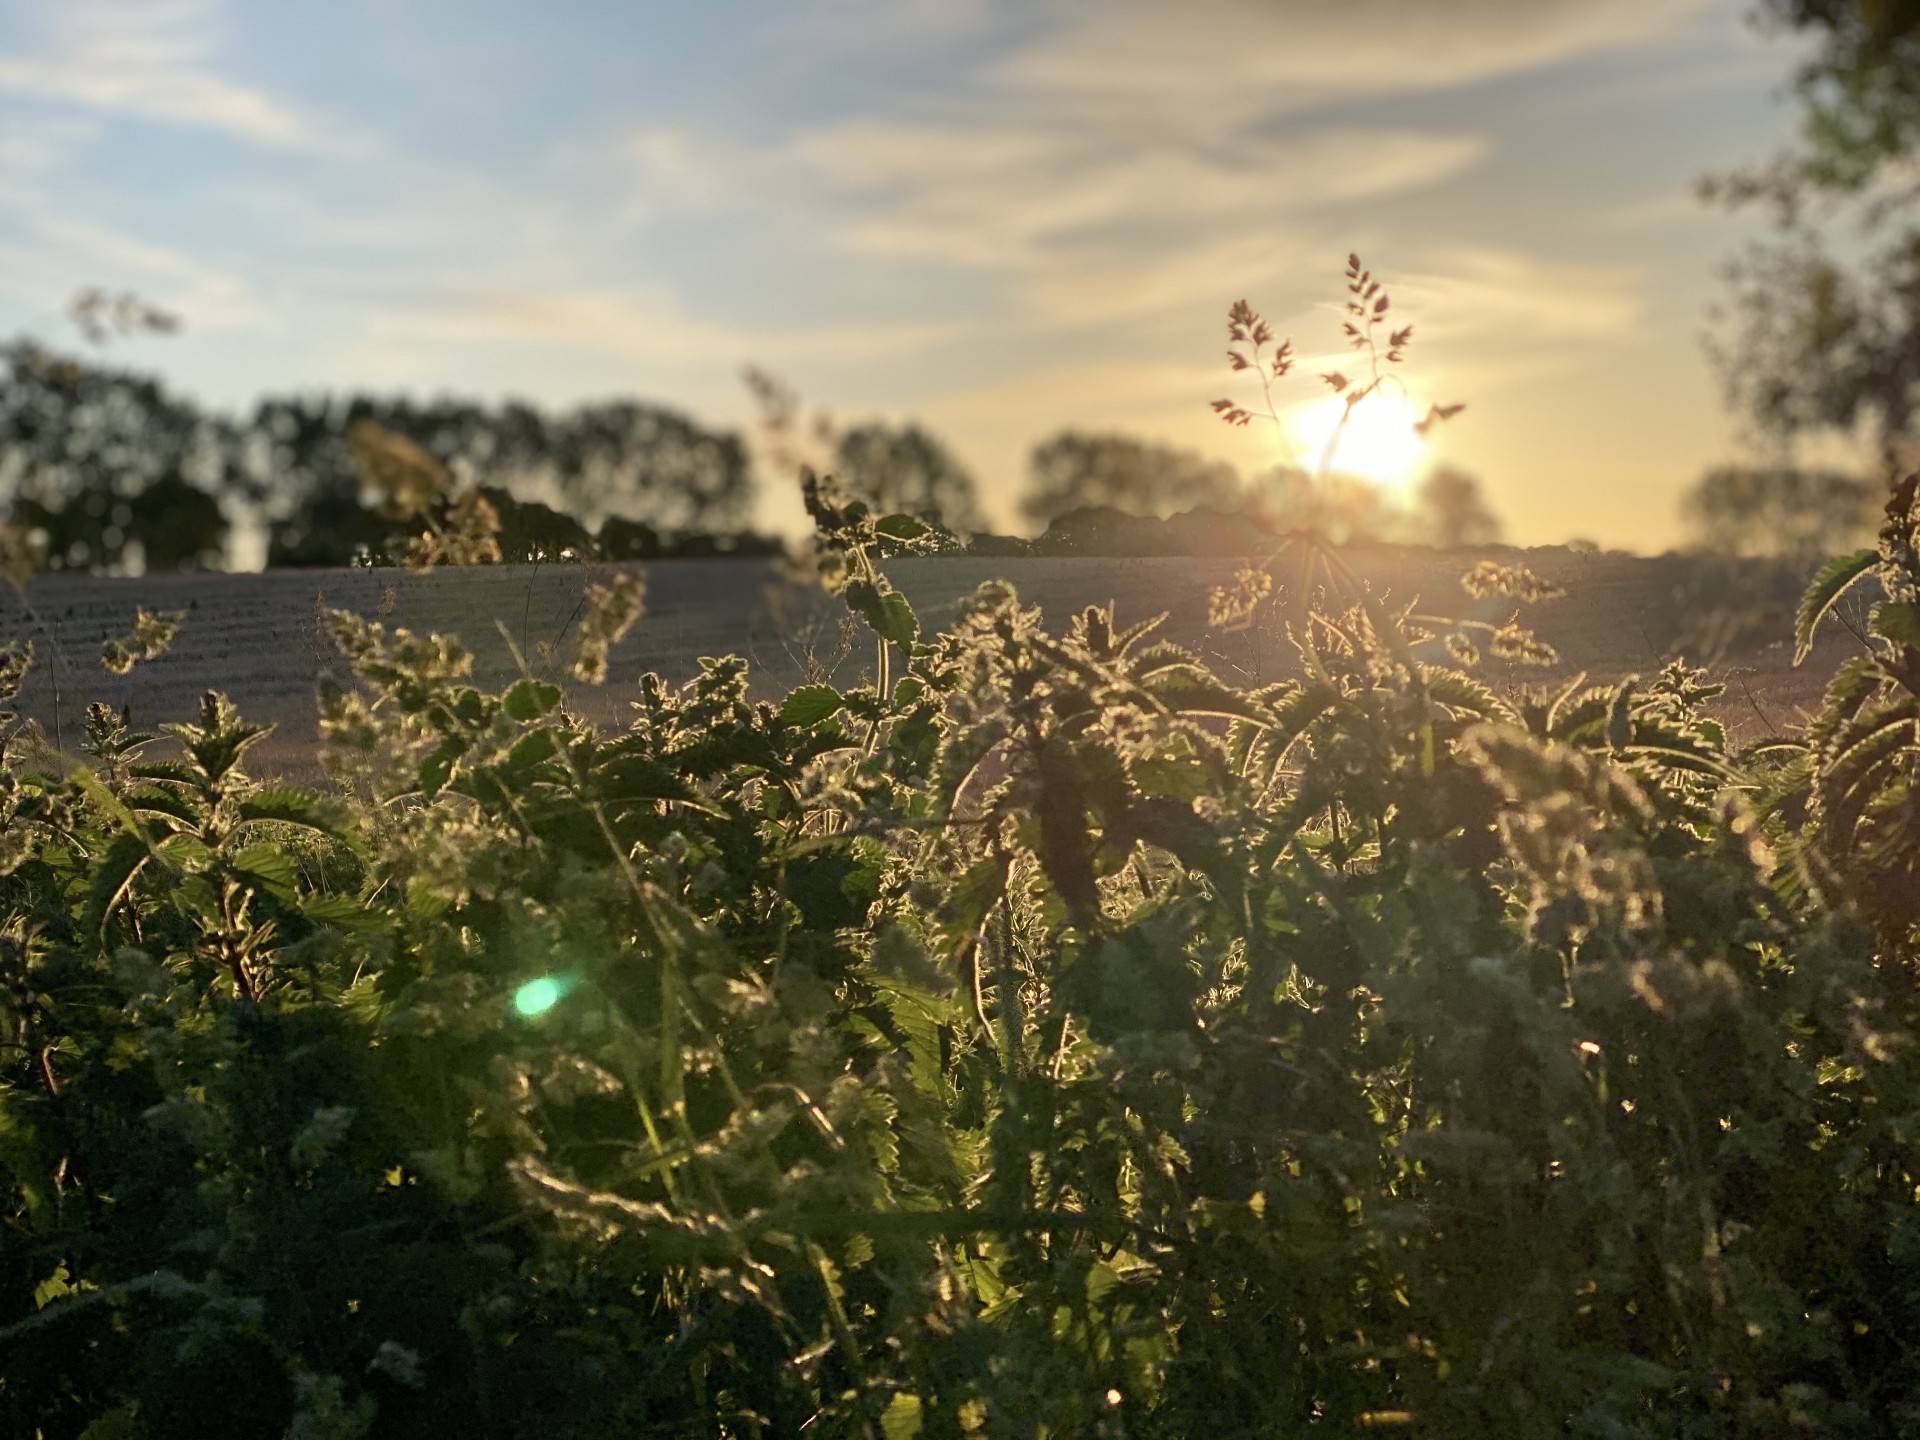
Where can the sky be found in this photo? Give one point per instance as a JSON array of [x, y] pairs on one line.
[[1000, 217]]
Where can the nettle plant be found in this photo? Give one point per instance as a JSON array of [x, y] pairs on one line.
[[1049, 1038]]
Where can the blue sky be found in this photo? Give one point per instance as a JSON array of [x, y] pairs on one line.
[[1003, 218]]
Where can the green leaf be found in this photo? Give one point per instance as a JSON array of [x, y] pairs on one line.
[[343, 912], [113, 877], [1453, 689], [437, 768], [1195, 691], [530, 699], [532, 748], [901, 527], [902, 1418], [1898, 622], [886, 612], [1823, 593], [176, 772], [121, 1424], [187, 854], [154, 800], [268, 868], [809, 705], [290, 805]]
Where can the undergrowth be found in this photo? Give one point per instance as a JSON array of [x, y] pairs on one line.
[[1051, 1038]]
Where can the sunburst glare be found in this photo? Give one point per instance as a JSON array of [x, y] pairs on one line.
[[1380, 442]]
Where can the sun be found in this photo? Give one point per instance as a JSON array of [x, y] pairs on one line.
[[1380, 442]]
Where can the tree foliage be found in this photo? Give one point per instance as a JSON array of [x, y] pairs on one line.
[[110, 471], [107, 469], [1779, 510], [1077, 470], [1814, 340], [908, 469], [637, 463]]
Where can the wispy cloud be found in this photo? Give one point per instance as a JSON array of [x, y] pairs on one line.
[[1138, 62], [53, 255], [1013, 197], [638, 323], [1522, 298], [150, 59], [1111, 162]]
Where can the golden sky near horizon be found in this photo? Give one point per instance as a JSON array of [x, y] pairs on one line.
[[1003, 219]]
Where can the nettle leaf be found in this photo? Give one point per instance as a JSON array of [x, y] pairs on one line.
[[157, 800], [1823, 592], [886, 612], [269, 868], [902, 527], [809, 705], [290, 805], [901, 1419], [343, 912], [437, 768], [532, 748], [1896, 621], [530, 699], [1451, 688], [113, 877], [1197, 692], [187, 854], [174, 772]]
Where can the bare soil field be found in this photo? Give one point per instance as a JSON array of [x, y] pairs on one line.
[[259, 637]]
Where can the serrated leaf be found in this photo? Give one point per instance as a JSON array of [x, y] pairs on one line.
[[437, 768], [901, 1419], [533, 747], [530, 699], [174, 772], [1823, 592], [1195, 692], [886, 612], [269, 868], [186, 853], [809, 705], [902, 527], [153, 800], [290, 805], [1451, 688], [343, 912], [113, 877], [1896, 621]]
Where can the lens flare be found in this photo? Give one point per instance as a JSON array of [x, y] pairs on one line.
[[536, 997]]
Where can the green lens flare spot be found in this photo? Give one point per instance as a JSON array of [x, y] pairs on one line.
[[536, 997]]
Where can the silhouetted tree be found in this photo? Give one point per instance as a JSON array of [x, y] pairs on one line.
[[904, 468], [1798, 514], [1074, 471], [1450, 511], [616, 459], [108, 471], [1813, 341], [1338, 507]]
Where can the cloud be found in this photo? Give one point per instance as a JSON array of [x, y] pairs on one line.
[[1013, 197], [640, 324], [1138, 62], [1075, 228], [1111, 162], [147, 59], [56, 255], [1520, 298]]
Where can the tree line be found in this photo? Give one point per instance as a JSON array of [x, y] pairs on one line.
[[108, 470]]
